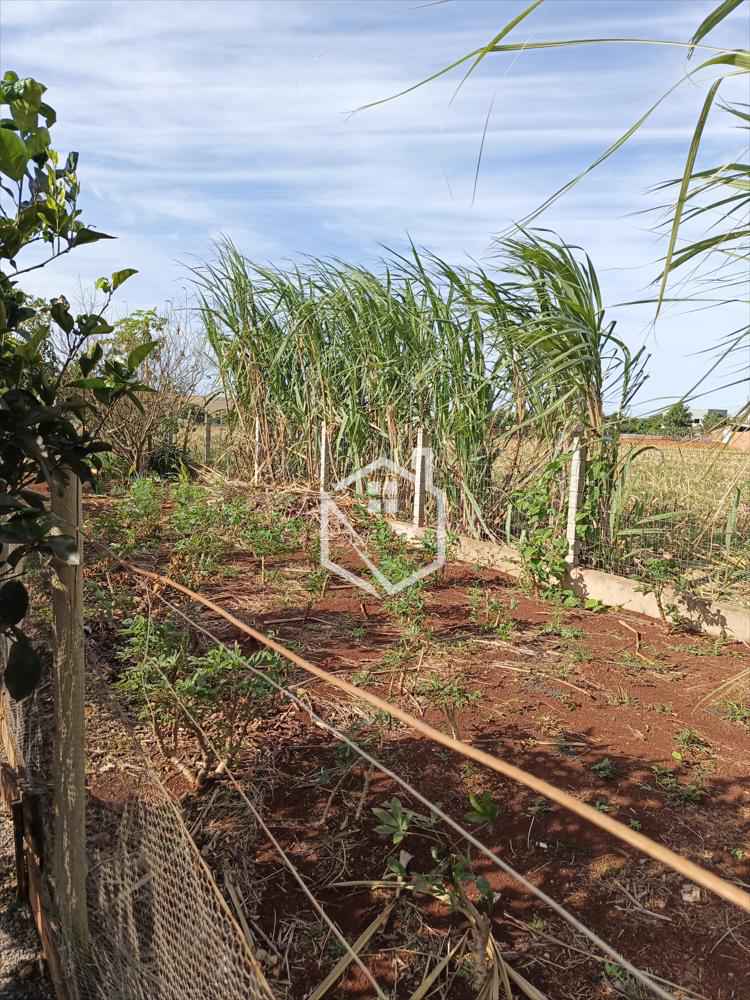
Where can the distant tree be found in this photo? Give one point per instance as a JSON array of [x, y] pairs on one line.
[[172, 371], [677, 420], [712, 420], [642, 425]]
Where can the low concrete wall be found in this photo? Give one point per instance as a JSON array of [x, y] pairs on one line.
[[715, 619], [615, 591]]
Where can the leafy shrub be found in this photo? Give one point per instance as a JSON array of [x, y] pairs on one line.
[[216, 693], [168, 461], [137, 515]]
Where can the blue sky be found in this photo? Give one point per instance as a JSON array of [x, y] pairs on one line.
[[201, 118]]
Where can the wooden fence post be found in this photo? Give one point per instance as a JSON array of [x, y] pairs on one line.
[[575, 493], [324, 465], [420, 478], [69, 859], [206, 437]]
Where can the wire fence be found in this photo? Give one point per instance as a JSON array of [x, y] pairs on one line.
[[680, 514], [678, 509], [158, 926]]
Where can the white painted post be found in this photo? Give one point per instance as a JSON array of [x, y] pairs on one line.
[[577, 478], [421, 473], [256, 473], [323, 458], [70, 742]]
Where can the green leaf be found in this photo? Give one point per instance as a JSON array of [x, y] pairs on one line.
[[741, 59], [709, 23], [48, 113], [94, 382], [14, 603], [24, 670], [62, 317], [38, 143], [34, 499], [64, 548], [684, 186], [140, 353], [85, 235], [13, 154], [489, 47], [120, 277]]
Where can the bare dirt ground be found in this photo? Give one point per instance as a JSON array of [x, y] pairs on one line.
[[612, 707], [607, 705]]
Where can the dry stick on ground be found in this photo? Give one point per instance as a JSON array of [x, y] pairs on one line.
[[537, 673], [688, 869], [635, 632], [646, 980]]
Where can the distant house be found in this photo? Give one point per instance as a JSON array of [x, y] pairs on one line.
[[736, 434], [712, 416]]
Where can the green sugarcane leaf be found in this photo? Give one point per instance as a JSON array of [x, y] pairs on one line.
[[684, 186], [710, 22]]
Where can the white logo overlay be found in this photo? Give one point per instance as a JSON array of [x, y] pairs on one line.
[[381, 477]]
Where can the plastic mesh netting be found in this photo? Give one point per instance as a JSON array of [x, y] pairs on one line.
[[159, 928]]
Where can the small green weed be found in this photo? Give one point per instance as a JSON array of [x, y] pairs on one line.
[[449, 695], [484, 810], [690, 741], [661, 707], [361, 678], [134, 523], [736, 711], [316, 582], [488, 612], [604, 769], [561, 631], [668, 781]]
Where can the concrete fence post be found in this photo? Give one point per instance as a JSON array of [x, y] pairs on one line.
[[69, 706], [324, 464], [575, 496], [422, 473]]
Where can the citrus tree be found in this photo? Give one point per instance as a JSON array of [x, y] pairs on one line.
[[49, 358]]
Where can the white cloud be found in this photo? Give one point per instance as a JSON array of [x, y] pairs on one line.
[[209, 117]]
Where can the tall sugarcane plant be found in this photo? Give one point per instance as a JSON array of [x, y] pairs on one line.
[[481, 360], [717, 196]]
